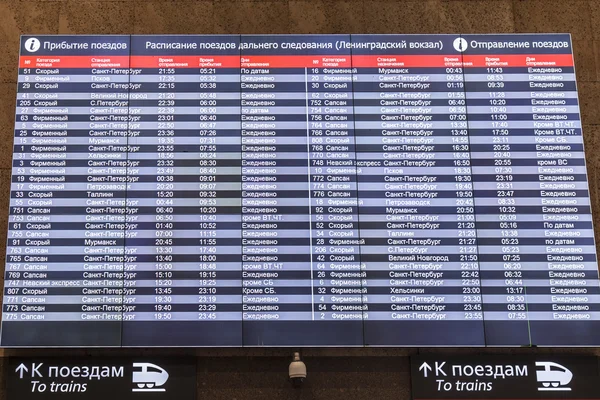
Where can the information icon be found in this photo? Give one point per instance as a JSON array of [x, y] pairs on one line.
[[32, 45], [460, 44]]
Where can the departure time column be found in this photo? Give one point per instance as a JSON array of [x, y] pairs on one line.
[[184, 270]]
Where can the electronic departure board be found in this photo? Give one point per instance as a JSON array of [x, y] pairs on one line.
[[293, 190]]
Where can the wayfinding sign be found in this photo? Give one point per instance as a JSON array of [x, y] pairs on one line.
[[94, 378], [505, 377]]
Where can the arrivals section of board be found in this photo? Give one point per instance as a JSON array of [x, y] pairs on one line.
[[338, 190]]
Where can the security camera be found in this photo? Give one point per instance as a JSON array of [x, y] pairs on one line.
[[297, 371]]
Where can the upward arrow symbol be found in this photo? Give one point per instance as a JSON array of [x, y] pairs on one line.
[[20, 369], [425, 368]]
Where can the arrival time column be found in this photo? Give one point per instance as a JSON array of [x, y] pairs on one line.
[[183, 275], [538, 259]]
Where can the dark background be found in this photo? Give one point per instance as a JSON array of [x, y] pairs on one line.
[[257, 374]]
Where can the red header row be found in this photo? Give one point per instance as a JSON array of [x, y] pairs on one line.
[[359, 61]]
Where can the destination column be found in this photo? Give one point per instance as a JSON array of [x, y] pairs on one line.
[[64, 272], [415, 191]]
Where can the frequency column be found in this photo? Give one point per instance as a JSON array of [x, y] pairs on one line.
[[278, 269]]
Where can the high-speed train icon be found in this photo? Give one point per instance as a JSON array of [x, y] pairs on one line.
[[552, 376], [148, 377]]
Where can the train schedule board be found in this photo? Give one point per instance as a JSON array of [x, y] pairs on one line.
[[299, 190]]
